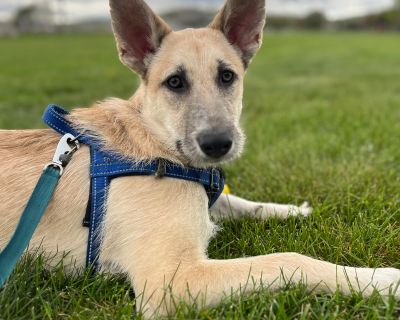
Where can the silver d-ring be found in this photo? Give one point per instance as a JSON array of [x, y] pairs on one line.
[[55, 165]]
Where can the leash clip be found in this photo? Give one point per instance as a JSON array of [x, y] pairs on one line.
[[66, 148]]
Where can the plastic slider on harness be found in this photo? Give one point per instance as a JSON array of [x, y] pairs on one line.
[[215, 180], [161, 168]]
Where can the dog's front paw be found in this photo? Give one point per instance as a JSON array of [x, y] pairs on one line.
[[280, 211], [384, 280], [304, 210], [387, 281]]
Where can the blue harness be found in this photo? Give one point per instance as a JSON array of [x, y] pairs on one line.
[[106, 166]]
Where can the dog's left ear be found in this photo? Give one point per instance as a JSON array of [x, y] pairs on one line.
[[242, 22], [138, 32]]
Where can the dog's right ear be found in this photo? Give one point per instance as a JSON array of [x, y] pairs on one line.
[[138, 32], [242, 22]]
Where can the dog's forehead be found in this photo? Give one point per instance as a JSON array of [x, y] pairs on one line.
[[197, 50]]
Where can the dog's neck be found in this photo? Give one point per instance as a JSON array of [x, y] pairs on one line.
[[119, 126]]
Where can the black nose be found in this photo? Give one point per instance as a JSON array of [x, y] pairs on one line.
[[215, 145]]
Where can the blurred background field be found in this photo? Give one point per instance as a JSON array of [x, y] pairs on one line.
[[52, 16], [322, 116]]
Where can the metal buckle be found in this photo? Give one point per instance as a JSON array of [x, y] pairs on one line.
[[215, 187], [67, 146]]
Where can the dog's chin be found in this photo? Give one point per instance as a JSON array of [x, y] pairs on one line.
[[198, 159], [206, 162], [226, 159]]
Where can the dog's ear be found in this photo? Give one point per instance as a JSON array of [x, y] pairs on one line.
[[138, 32], [242, 22]]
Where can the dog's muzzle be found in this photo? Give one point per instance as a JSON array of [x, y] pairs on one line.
[[215, 143]]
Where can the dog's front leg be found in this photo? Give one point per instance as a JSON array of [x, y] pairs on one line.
[[212, 279], [157, 232], [232, 206], [205, 283]]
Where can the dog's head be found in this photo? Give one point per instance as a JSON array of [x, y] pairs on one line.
[[192, 80]]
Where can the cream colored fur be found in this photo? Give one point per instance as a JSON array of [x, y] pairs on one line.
[[157, 230]]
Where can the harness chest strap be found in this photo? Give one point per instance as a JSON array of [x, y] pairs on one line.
[[105, 166]]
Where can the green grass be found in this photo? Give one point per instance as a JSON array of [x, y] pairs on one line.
[[322, 117]]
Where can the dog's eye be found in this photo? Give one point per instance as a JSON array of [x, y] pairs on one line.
[[227, 77], [175, 83]]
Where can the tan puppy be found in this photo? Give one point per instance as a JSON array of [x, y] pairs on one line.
[[186, 110]]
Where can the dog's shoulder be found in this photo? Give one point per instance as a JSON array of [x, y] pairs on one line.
[[119, 125]]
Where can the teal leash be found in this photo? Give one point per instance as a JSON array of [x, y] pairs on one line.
[[36, 206], [31, 216]]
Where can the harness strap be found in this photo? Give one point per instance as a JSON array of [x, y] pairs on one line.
[[98, 197], [104, 169], [105, 166], [54, 117]]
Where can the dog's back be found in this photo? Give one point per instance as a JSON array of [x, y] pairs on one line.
[[23, 156]]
